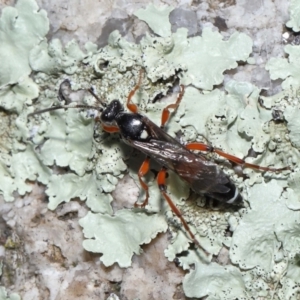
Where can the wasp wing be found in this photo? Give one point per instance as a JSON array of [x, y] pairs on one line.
[[202, 175]]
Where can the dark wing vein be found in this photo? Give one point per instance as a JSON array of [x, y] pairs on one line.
[[202, 175]]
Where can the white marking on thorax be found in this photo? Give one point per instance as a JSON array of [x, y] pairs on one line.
[[144, 134]]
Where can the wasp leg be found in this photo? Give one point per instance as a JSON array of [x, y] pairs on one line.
[[161, 181], [131, 106], [239, 161], [142, 172], [110, 129], [166, 112]]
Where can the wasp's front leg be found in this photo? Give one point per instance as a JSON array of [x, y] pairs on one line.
[[131, 106], [166, 112]]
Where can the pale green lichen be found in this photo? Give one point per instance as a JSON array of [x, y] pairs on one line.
[[157, 18], [87, 187], [5, 296], [21, 28], [291, 195], [294, 10], [263, 242], [215, 282], [127, 235], [217, 111], [203, 58], [69, 134], [14, 97], [53, 58], [257, 236], [287, 69], [292, 116]]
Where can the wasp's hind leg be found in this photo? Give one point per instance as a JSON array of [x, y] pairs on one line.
[[144, 169], [161, 181], [232, 158], [166, 112]]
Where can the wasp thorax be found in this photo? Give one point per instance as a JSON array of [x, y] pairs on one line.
[[131, 125], [111, 111]]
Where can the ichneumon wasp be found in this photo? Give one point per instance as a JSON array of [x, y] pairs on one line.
[[136, 130]]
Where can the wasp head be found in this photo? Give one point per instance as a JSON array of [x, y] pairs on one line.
[[111, 111]]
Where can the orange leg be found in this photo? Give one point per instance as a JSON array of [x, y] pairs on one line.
[[239, 161], [131, 106], [161, 180], [110, 129], [142, 172], [166, 112]]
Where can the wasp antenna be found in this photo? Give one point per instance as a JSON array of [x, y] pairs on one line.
[[91, 91], [63, 107]]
